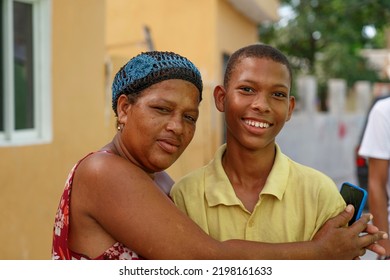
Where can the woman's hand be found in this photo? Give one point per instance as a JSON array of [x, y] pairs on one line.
[[336, 241]]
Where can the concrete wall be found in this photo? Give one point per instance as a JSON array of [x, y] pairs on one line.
[[327, 141], [323, 141]]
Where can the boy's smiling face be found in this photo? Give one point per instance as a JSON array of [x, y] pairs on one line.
[[256, 101]]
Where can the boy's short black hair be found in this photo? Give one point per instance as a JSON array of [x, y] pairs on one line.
[[258, 51]]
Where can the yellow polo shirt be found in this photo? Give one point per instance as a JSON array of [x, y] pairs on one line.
[[294, 204]]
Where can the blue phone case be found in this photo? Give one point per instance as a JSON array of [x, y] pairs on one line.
[[356, 196]]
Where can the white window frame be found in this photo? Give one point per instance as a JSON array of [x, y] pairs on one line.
[[41, 132]]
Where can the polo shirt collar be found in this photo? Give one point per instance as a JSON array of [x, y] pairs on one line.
[[277, 180], [219, 190]]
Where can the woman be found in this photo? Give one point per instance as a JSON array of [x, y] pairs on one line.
[[112, 208]]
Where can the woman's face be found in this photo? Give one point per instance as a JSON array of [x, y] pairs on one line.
[[160, 124]]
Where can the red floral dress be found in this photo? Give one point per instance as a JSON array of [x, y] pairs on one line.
[[60, 250]]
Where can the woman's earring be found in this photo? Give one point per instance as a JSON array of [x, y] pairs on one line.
[[120, 127]]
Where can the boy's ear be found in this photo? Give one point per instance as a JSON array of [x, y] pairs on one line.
[[291, 107], [123, 106], [219, 98]]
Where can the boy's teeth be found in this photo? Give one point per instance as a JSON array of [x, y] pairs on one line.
[[257, 124]]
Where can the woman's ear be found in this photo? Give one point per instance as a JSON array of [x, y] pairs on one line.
[[219, 98], [123, 106]]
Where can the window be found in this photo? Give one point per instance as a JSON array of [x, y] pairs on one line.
[[25, 103]]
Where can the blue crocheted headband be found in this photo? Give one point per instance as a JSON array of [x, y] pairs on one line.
[[149, 68]]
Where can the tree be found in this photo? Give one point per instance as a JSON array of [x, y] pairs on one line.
[[325, 38]]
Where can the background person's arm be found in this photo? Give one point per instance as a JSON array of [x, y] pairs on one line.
[[378, 196]]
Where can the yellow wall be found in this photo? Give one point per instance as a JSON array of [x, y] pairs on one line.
[[86, 35], [32, 177]]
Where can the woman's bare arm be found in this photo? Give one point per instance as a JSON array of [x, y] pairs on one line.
[[126, 203]]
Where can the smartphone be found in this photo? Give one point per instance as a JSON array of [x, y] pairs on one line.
[[356, 196]]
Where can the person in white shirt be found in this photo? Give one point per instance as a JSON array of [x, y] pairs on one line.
[[376, 147]]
